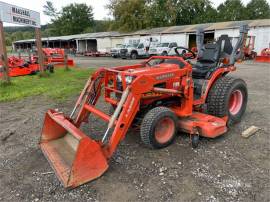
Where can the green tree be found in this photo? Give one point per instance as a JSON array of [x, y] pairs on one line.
[[8, 40], [17, 36], [101, 25], [28, 35], [159, 13], [194, 11], [129, 15], [257, 9], [206, 14], [175, 12], [50, 10], [72, 19], [231, 10]]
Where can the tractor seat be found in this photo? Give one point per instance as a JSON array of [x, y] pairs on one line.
[[207, 62], [200, 71]]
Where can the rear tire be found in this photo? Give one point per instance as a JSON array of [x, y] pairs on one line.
[[158, 128], [228, 97]]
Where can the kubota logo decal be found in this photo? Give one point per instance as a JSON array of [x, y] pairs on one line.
[[165, 76]]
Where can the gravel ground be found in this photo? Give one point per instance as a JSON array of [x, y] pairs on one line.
[[95, 62], [228, 168]]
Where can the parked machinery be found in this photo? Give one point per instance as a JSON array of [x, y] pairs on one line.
[[134, 51], [248, 49], [164, 95], [20, 67], [264, 56], [163, 48], [54, 56], [115, 52]]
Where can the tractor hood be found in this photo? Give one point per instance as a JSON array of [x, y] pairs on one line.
[[151, 70], [158, 70]]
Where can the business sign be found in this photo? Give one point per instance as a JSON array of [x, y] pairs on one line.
[[18, 15]]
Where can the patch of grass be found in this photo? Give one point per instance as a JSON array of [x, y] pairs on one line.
[[9, 49], [59, 85]]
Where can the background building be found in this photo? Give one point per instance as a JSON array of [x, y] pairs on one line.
[[183, 35]]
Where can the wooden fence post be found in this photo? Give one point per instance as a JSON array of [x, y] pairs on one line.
[[66, 60], [40, 52], [29, 55], [3, 55]]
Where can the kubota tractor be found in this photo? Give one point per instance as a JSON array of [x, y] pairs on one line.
[[164, 95]]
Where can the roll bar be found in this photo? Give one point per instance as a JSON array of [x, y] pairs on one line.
[[236, 54], [240, 43], [199, 41]]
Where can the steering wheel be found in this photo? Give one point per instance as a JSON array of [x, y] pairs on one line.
[[184, 53]]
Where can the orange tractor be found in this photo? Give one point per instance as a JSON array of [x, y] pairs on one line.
[[164, 95]]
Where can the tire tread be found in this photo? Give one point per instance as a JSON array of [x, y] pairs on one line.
[[147, 124]]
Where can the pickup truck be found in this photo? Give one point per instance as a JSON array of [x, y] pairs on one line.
[[162, 48], [135, 51], [115, 52]]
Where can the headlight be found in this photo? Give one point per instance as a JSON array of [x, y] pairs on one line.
[[119, 78], [129, 79]]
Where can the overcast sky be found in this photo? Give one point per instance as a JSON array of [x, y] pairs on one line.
[[98, 5]]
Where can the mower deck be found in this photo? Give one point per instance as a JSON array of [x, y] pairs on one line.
[[203, 125]]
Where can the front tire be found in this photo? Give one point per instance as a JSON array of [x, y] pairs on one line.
[[158, 128], [164, 53], [134, 55], [228, 97]]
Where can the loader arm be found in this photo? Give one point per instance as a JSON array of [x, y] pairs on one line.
[[130, 108], [75, 156]]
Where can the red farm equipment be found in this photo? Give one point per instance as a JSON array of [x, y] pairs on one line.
[[19, 67], [264, 56], [97, 54], [248, 49], [164, 95], [55, 56]]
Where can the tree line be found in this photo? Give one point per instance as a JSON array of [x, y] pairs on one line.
[[132, 15]]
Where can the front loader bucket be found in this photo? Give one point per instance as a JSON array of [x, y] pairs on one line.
[[75, 157]]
